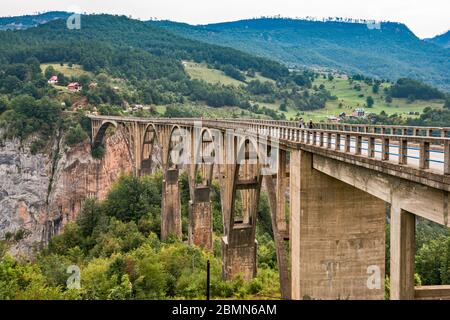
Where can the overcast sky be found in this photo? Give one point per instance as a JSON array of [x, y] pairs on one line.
[[426, 18]]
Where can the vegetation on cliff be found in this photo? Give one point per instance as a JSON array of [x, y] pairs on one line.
[[116, 245]]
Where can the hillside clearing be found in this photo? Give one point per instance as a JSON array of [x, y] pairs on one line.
[[73, 71]]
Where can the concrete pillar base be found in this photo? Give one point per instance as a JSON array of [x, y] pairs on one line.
[[238, 259], [171, 207], [200, 222]]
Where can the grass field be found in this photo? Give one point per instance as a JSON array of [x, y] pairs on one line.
[[349, 99], [75, 71], [213, 113], [202, 72]]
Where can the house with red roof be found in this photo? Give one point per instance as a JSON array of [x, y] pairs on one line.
[[74, 87], [53, 80]]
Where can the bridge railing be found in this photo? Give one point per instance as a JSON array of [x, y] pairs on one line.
[[427, 151], [382, 129]]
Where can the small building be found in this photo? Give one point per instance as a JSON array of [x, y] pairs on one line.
[[92, 85], [333, 119], [53, 80], [74, 87], [359, 113]]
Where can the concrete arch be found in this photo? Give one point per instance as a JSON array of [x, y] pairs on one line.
[[100, 134], [175, 157], [242, 145], [147, 148], [206, 136]]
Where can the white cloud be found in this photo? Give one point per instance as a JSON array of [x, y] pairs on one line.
[[424, 17]]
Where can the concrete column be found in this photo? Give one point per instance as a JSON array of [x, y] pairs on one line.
[[402, 253], [277, 202], [171, 207], [239, 245], [200, 219], [239, 254], [337, 235]]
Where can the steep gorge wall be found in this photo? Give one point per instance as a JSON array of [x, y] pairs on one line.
[[41, 193]]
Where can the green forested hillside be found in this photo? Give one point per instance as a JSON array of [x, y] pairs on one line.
[[120, 62], [391, 51], [442, 40], [28, 21]]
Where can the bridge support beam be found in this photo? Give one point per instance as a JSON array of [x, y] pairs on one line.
[[239, 246], [200, 219], [171, 207], [337, 236], [276, 190], [403, 225]]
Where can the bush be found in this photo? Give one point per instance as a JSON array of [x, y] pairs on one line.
[[408, 88], [36, 146], [75, 135]]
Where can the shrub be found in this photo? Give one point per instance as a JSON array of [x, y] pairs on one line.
[[75, 135]]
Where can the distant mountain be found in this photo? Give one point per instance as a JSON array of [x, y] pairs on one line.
[[442, 40], [387, 50], [28, 21]]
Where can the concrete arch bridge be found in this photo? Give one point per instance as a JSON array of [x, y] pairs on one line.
[[329, 190]]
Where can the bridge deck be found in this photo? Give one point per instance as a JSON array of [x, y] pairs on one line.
[[420, 154]]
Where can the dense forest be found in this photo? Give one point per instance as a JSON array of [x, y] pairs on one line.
[[116, 246]]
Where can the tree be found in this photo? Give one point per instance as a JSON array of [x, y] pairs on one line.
[[50, 72], [3, 104], [376, 88], [232, 72], [76, 135], [388, 99], [370, 102], [130, 199], [12, 83], [447, 102], [412, 89]]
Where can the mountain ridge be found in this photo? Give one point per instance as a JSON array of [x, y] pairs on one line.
[[388, 50], [442, 40]]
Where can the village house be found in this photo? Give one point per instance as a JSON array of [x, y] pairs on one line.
[[74, 87], [53, 80]]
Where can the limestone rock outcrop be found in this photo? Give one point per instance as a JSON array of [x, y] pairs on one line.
[[40, 193]]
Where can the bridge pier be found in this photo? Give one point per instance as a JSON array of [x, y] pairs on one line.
[[276, 190], [240, 190], [337, 236], [171, 207], [200, 219], [403, 225], [239, 254]]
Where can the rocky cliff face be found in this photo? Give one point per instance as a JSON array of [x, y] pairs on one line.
[[40, 193]]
